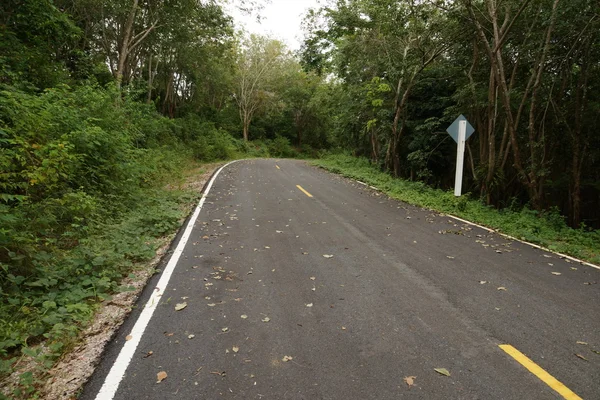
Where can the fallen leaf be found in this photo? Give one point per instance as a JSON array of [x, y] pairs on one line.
[[279, 231], [161, 376], [573, 269], [224, 329], [547, 256], [596, 351], [556, 273], [287, 358], [243, 316], [450, 257], [148, 354], [266, 319], [483, 282], [235, 349], [343, 328], [582, 357], [583, 343], [498, 251], [442, 371], [191, 336], [211, 304], [327, 255], [180, 306], [169, 334], [410, 380], [128, 337], [309, 305], [312, 278], [502, 288]]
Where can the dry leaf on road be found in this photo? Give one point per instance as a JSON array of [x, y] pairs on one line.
[[502, 288], [327, 255], [410, 380], [161, 376], [266, 319], [180, 306], [582, 357], [580, 342], [556, 273], [128, 337], [235, 349], [286, 358], [309, 305], [442, 371]]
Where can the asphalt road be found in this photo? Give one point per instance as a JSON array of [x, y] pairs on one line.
[[406, 291]]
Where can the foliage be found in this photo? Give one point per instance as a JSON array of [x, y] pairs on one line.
[[525, 74]]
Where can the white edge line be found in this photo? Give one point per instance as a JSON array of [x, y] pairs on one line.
[[509, 237], [117, 371]]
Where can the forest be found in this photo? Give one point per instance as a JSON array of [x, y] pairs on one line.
[[103, 102]]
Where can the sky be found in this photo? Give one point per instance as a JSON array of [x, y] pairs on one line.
[[279, 18]]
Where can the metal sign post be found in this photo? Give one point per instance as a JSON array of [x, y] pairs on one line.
[[460, 157], [460, 130]]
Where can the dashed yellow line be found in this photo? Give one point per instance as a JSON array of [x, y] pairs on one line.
[[539, 372], [304, 191]]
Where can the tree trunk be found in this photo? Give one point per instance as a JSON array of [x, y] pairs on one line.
[[125, 41]]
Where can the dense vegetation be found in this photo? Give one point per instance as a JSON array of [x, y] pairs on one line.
[[103, 102], [103, 107], [526, 73]]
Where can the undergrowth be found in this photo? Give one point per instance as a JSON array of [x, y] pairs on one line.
[[547, 229]]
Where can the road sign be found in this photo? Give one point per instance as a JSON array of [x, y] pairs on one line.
[[453, 129], [460, 130]]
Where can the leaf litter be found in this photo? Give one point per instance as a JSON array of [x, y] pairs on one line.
[[442, 371], [161, 376], [180, 306], [410, 380]]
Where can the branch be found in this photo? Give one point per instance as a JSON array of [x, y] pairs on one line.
[[140, 36]]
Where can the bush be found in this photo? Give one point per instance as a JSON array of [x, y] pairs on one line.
[[281, 147], [81, 199]]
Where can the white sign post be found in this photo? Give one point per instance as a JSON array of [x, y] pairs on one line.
[[460, 157], [460, 130]]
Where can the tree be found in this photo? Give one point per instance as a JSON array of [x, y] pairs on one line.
[[259, 64]]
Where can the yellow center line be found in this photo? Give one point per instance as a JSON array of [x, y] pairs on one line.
[[277, 166], [539, 372], [304, 191]]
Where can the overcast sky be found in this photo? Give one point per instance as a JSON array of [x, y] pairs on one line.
[[280, 18]]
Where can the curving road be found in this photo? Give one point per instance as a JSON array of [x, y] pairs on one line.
[[402, 291]]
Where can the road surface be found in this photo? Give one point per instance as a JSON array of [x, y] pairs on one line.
[[300, 284]]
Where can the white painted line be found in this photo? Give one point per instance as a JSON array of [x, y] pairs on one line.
[[114, 377], [537, 246], [510, 237]]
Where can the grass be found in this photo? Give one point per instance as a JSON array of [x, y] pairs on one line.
[[547, 229]]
